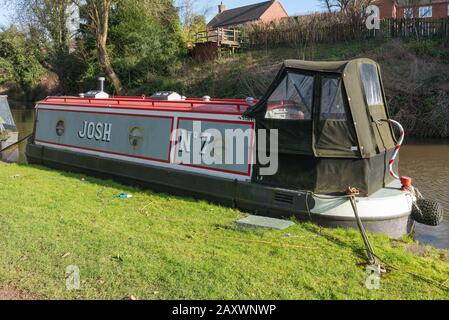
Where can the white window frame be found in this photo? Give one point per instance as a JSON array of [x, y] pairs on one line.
[[408, 13], [425, 11]]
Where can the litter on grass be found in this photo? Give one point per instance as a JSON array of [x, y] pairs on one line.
[[125, 196]]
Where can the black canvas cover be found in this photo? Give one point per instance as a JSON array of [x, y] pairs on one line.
[[330, 119]]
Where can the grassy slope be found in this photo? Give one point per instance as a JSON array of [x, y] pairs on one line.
[[415, 75], [249, 73], [404, 63], [158, 247]]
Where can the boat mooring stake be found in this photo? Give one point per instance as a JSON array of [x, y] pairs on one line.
[[353, 192]]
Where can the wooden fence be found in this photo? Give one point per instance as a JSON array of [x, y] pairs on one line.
[[318, 30], [418, 28]]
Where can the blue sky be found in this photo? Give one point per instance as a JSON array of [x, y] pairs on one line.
[[293, 7], [4, 16]]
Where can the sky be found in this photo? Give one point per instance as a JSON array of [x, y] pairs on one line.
[[4, 16], [293, 7]]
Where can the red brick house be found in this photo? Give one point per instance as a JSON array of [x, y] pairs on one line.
[[264, 12], [413, 8], [222, 31]]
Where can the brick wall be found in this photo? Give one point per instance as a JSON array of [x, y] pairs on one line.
[[386, 8], [440, 10], [275, 12]]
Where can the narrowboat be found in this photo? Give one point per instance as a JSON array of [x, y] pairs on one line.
[[320, 128]]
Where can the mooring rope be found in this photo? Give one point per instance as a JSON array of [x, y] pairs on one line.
[[415, 274], [16, 143]]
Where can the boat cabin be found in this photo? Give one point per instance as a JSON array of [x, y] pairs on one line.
[[330, 121]]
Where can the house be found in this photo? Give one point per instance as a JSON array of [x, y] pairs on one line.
[[264, 12], [413, 8], [222, 32]]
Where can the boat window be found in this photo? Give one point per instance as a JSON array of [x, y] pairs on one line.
[[332, 104], [292, 99], [371, 84]]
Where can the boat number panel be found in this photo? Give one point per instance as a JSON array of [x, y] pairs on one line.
[[220, 145]]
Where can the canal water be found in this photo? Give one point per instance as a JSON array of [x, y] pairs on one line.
[[427, 161]]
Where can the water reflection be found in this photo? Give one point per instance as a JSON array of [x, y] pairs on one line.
[[427, 161], [24, 119]]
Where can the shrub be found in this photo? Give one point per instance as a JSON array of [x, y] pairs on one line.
[[19, 65]]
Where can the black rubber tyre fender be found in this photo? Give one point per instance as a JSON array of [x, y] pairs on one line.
[[428, 212]]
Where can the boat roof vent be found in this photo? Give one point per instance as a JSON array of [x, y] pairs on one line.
[[167, 96], [98, 94]]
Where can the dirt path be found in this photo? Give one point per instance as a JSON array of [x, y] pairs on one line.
[[14, 294]]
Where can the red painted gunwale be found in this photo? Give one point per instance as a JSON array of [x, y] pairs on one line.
[[215, 106]]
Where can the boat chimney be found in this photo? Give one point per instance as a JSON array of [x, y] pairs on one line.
[[102, 80], [221, 8]]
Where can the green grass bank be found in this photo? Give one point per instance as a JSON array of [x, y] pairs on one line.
[[154, 246]]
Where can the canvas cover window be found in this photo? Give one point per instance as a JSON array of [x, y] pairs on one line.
[[371, 84], [292, 99], [332, 103]]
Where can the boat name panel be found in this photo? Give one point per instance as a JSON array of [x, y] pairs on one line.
[[98, 131]]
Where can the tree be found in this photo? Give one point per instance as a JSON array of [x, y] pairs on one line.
[[46, 24], [98, 13], [129, 41], [189, 10], [49, 16], [19, 66], [193, 18], [346, 6], [146, 39], [148, 30]]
